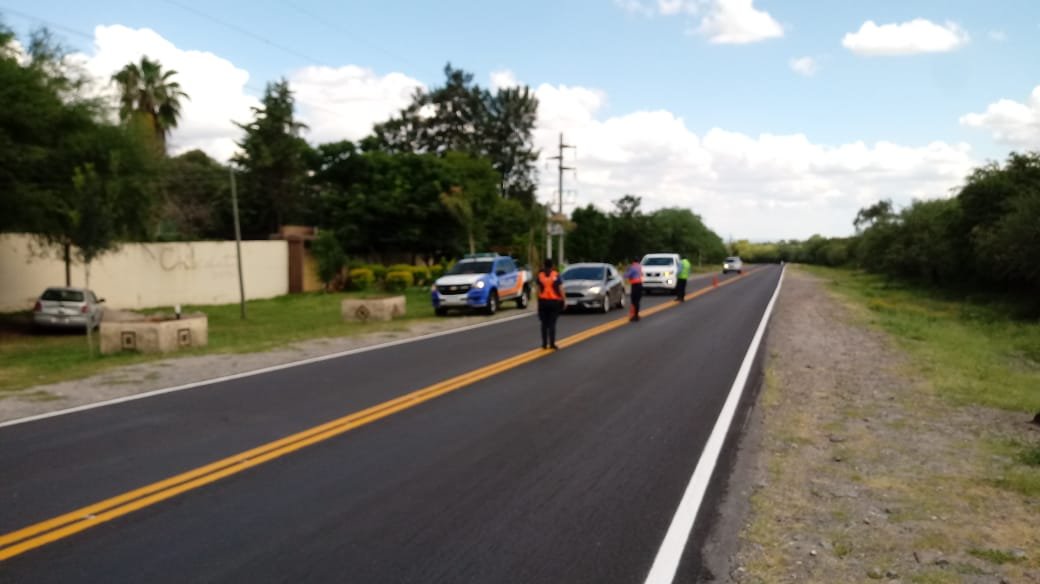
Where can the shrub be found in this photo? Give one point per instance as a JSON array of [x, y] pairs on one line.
[[329, 256], [361, 278], [398, 281], [422, 275], [378, 271], [436, 271]]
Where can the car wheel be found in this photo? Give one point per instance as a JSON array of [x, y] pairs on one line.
[[525, 298], [607, 303], [621, 300], [492, 304]]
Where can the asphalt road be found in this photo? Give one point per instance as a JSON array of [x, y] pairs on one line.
[[567, 468]]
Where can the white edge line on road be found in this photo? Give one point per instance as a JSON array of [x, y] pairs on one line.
[[260, 371], [666, 563]]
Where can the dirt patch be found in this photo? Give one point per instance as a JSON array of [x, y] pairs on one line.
[[860, 472], [133, 379]]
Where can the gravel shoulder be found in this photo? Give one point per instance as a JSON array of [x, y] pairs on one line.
[[854, 470], [145, 377]]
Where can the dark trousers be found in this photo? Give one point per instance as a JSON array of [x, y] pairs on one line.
[[548, 312], [635, 296], [680, 290]]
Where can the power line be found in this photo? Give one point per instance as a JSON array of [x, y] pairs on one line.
[[336, 27], [48, 23], [244, 31]]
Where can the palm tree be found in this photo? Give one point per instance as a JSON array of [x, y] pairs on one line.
[[146, 90]]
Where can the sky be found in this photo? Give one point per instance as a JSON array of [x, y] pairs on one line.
[[770, 119]]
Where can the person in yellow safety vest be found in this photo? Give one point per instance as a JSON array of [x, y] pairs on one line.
[[680, 286], [550, 303], [634, 275]]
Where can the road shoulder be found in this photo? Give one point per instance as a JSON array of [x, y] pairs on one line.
[[853, 469]]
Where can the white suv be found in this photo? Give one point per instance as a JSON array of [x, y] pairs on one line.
[[660, 271], [732, 264]]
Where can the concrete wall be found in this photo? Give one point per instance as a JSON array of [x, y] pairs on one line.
[[143, 275]]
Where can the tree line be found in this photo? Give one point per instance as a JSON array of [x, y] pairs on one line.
[[453, 171], [986, 237]]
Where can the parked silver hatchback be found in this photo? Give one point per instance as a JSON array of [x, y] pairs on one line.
[[593, 285], [68, 308]]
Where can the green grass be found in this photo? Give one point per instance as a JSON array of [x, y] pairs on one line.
[[28, 359], [995, 556], [973, 352]]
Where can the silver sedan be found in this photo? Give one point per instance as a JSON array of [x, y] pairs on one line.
[[593, 285]]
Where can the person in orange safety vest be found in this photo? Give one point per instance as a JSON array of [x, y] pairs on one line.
[[550, 303]]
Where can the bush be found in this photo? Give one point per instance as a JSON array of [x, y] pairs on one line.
[[398, 281], [329, 256], [378, 271], [436, 271], [361, 278], [422, 275]]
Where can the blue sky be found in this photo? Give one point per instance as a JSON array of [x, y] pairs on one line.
[[644, 56]]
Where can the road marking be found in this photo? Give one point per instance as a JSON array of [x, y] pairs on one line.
[[263, 370], [670, 553], [56, 528]]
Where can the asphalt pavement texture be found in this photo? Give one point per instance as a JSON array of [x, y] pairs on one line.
[[565, 469]]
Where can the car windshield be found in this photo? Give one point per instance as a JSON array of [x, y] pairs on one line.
[[731, 260], [659, 261], [480, 267], [62, 295], [584, 273]]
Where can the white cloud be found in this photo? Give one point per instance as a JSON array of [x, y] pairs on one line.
[[215, 86], [721, 21], [344, 102], [738, 22], [1010, 122], [643, 8], [907, 38], [806, 66], [763, 187], [503, 78]]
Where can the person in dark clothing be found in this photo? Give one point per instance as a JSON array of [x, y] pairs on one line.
[[634, 275], [550, 303]]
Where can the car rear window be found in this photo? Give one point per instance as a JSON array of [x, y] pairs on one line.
[[659, 261], [60, 295]]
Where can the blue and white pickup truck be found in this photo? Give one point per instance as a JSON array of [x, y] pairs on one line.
[[482, 281]]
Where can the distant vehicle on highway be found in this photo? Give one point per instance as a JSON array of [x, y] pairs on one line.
[[732, 264], [594, 286], [68, 308], [660, 272], [482, 281]]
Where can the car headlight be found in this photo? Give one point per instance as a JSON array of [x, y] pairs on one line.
[[667, 274], [595, 290], [480, 284]]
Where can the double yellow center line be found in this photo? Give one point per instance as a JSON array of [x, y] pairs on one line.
[[44, 532]]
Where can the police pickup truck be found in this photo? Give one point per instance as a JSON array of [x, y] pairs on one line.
[[482, 281]]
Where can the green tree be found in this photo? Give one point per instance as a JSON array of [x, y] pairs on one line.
[[149, 96], [460, 116], [68, 177], [195, 199], [273, 159], [591, 239]]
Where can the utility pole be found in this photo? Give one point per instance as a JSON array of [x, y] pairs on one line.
[[559, 200], [238, 245]]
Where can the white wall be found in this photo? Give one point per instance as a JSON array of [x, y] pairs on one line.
[[143, 275]]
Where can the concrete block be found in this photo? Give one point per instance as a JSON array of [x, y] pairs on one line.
[[154, 334], [366, 309]]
